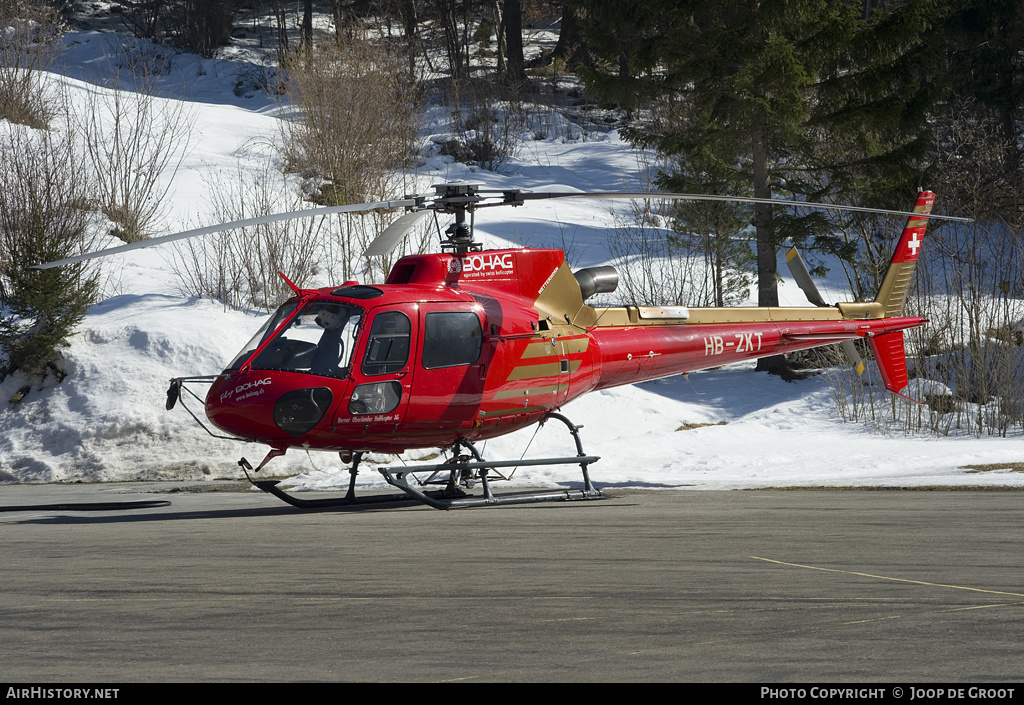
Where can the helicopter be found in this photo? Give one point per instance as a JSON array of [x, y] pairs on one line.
[[468, 344]]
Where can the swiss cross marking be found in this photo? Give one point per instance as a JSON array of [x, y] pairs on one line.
[[914, 244]]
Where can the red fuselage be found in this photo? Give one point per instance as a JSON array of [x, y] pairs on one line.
[[474, 346]]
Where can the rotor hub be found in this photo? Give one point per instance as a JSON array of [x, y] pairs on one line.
[[458, 198]]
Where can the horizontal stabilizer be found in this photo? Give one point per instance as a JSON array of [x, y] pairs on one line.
[[825, 338]]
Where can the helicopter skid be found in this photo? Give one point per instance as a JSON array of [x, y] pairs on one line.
[[270, 486], [439, 499], [350, 499], [487, 499], [460, 469]]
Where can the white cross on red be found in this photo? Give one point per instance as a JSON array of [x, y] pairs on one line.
[[914, 244]]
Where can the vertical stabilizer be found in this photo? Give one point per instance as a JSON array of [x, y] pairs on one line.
[[892, 359], [893, 294]]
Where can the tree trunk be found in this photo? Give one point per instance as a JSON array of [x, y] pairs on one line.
[[452, 39], [282, 33], [499, 36], [515, 65], [410, 22], [767, 254], [570, 47], [307, 25], [767, 250]]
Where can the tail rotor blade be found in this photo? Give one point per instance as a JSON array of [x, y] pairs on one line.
[[852, 356], [394, 234], [803, 277]]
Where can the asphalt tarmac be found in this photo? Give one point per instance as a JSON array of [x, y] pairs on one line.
[[748, 586]]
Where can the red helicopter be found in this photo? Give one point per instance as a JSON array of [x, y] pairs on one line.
[[467, 344]]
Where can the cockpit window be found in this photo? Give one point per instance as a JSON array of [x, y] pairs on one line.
[[319, 340], [387, 349], [265, 330]]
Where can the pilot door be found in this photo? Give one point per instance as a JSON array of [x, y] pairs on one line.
[[380, 380]]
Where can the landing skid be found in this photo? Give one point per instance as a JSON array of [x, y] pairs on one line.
[[350, 499], [461, 467], [458, 469], [270, 486]]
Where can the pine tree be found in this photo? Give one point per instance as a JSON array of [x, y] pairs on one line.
[[810, 99], [986, 59], [737, 78], [870, 127], [42, 194]]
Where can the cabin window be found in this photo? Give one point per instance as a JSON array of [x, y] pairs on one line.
[[387, 349], [450, 339]]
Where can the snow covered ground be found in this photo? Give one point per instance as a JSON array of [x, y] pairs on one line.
[[106, 421]]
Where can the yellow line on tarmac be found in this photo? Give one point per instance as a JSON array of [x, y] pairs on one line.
[[886, 577]]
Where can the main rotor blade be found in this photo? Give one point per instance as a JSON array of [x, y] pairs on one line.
[[394, 234], [527, 196], [803, 278], [310, 213]]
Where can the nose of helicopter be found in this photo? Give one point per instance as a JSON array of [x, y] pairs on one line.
[[266, 405]]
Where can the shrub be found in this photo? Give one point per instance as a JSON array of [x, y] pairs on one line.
[[354, 132], [43, 195], [27, 46], [240, 267], [131, 138]]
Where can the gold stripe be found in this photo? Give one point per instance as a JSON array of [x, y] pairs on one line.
[[513, 393], [899, 285], [544, 348], [547, 369]]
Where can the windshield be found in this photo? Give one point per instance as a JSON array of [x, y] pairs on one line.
[[318, 340], [266, 329]]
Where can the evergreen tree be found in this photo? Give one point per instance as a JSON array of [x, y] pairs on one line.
[[870, 129], [985, 39], [810, 99], [867, 139], [42, 194], [737, 78]]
